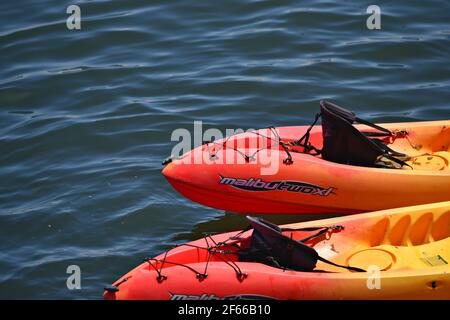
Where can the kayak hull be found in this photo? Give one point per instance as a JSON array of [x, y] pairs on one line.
[[182, 285]]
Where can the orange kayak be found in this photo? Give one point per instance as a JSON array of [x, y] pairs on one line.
[[393, 254], [248, 173]]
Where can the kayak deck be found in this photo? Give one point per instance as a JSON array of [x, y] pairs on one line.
[[400, 242]]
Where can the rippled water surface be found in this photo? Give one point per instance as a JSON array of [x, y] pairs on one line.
[[86, 116]]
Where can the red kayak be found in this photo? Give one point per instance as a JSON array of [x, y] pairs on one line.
[[333, 168]]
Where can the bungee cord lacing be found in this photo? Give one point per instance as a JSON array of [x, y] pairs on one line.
[[215, 249], [287, 146], [212, 250]]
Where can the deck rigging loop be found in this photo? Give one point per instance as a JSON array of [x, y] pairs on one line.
[[342, 142], [215, 249], [287, 146], [212, 251]]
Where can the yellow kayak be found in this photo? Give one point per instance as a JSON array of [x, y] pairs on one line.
[[393, 254]]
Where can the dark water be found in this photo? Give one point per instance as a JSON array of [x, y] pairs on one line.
[[86, 116]]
